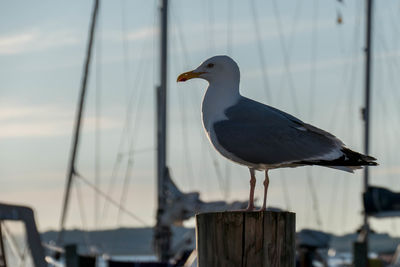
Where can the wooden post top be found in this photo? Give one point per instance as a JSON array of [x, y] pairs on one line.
[[240, 238], [255, 213]]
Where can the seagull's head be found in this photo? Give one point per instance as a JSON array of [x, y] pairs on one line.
[[214, 70]]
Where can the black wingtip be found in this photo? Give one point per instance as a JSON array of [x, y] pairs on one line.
[[362, 160], [349, 158]]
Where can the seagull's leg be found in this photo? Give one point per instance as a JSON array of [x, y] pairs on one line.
[[266, 183], [250, 207]]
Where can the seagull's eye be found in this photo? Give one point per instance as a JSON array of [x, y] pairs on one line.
[[210, 65]]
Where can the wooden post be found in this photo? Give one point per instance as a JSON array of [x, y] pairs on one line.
[[245, 239]]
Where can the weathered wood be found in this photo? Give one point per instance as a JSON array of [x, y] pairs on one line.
[[245, 239]]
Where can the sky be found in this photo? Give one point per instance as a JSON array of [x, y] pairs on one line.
[[293, 55]]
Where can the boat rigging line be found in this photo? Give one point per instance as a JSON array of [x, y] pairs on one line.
[[287, 58], [82, 214], [112, 201], [97, 134], [126, 131], [209, 8], [13, 244], [314, 50], [71, 168], [229, 32], [289, 76], [186, 155], [314, 198], [125, 51], [313, 82], [267, 88], [133, 139], [290, 44], [349, 81], [195, 96]]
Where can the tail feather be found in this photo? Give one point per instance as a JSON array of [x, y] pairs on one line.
[[350, 169], [358, 158], [349, 161]]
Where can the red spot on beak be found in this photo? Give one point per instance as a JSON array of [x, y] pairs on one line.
[[188, 75]]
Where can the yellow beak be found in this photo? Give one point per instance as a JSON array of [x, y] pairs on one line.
[[188, 75]]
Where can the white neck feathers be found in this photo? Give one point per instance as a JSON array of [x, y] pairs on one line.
[[216, 100]]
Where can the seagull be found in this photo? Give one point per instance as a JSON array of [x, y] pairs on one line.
[[259, 136]]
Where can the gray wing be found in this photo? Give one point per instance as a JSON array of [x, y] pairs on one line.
[[260, 134]]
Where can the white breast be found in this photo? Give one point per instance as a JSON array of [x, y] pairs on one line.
[[215, 103]]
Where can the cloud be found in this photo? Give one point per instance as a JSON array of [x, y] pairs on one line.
[[323, 64], [304, 66], [141, 34], [44, 121], [243, 32], [34, 40], [146, 33], [243, 29]]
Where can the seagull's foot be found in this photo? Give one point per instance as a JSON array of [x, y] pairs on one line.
[[249, 208], [263, 208]]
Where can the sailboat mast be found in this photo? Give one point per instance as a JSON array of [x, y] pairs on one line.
[[75, 142], [162, 231], [367, 107]]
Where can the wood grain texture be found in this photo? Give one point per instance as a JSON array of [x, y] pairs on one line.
[[246, 239]]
